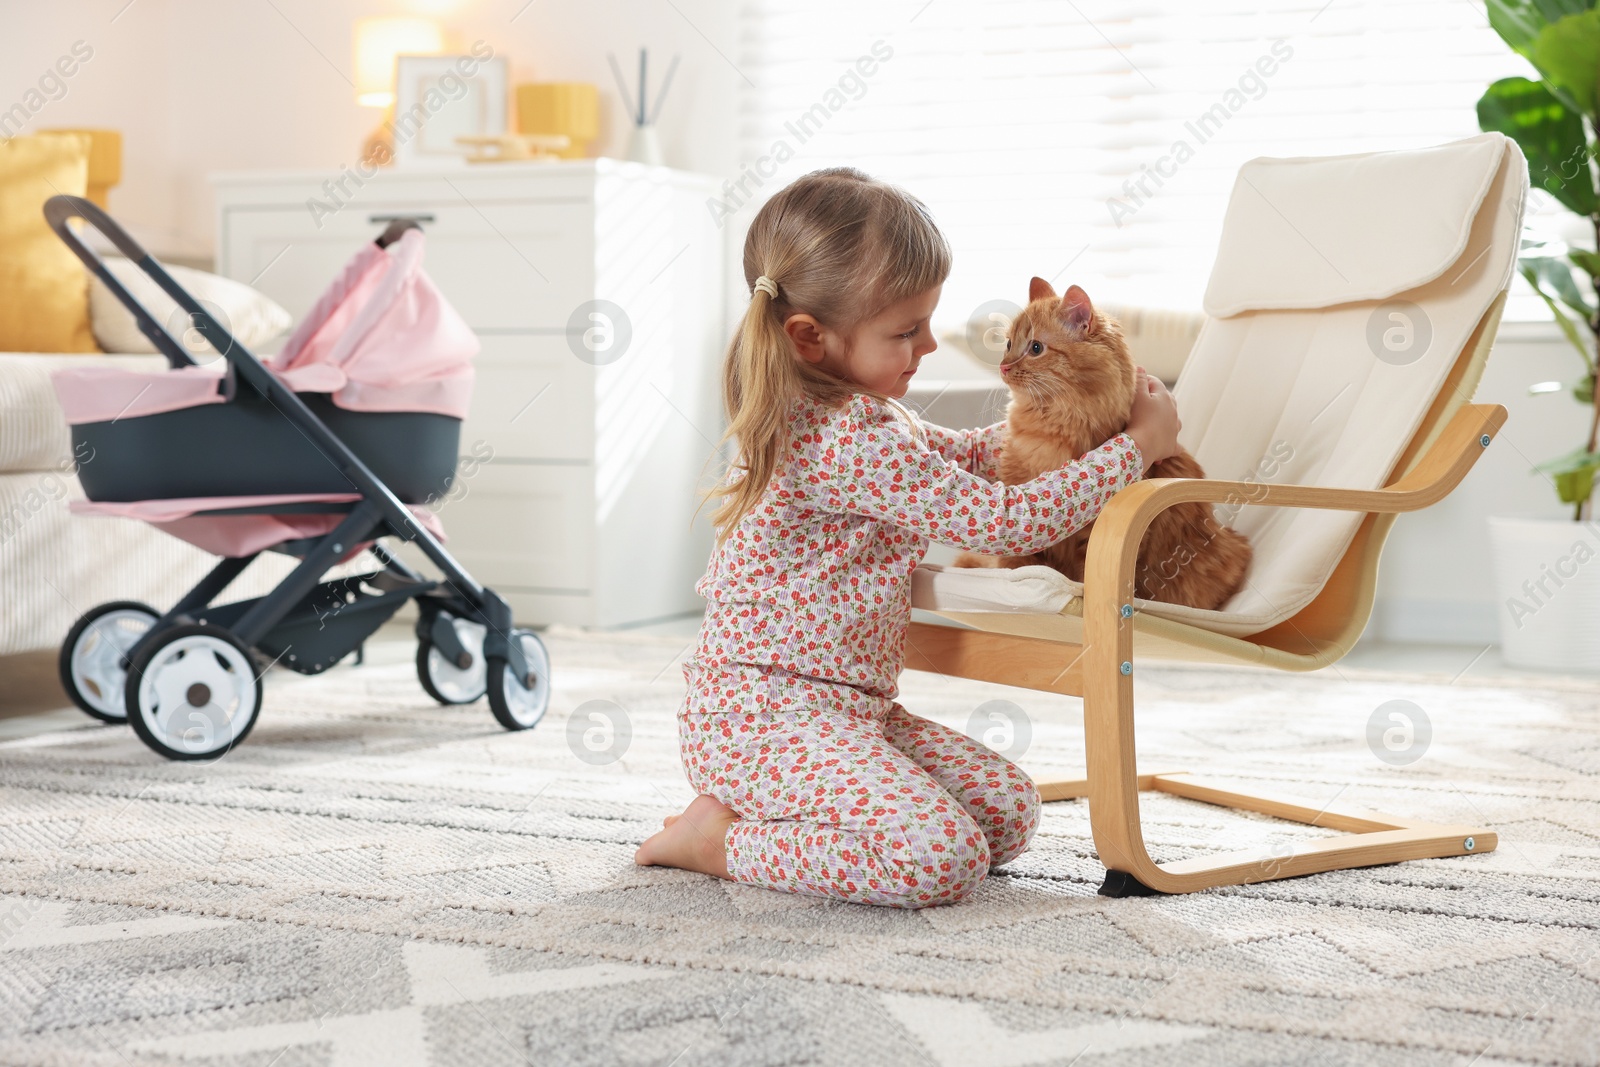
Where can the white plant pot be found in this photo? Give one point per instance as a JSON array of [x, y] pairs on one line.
[[1547, 576]]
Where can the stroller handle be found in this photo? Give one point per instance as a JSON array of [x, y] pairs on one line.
[[58, 210]]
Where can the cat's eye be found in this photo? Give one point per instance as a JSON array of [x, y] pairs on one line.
[[1036, 348]]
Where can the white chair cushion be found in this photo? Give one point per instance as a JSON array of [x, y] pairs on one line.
[[1314, 232]]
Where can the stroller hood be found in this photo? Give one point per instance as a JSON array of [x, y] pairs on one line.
[[381, 338]]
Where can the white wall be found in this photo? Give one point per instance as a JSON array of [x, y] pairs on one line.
[[212, 85]]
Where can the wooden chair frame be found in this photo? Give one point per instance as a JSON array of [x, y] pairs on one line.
[[1100, 668]]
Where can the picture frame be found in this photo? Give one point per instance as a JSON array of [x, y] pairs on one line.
[[440, 98]]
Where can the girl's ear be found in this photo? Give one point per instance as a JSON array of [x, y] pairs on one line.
[[1038, 289], [805, 333], [1076, 310]]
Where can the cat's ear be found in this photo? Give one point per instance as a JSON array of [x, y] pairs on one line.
[[1038, 289], [1076, 309]]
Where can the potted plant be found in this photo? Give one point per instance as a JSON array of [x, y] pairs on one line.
[[1548, 570]]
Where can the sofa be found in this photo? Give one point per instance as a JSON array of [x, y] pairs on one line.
[[54, 565]]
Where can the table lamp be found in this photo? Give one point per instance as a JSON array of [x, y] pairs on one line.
[[378, 40]]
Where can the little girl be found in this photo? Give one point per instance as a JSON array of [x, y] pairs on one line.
[[812, 779]]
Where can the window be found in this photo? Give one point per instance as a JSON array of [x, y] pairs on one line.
[[1095, 142]]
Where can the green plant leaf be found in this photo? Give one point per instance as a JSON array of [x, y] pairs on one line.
[[1567, 53], [1573, 473], [1557, 278], [1565, 323], [1517, 22], [1549, 134], [1575, 487], [1588, 262], [1583, 389], [1554, 10]]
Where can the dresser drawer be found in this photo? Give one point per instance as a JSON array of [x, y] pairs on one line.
[[533, 399], [524, 525], [501, 265]]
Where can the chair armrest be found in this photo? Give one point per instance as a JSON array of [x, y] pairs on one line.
[[1114, 543], [1442, 467]]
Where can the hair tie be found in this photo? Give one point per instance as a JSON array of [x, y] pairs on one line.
[[766, 285]]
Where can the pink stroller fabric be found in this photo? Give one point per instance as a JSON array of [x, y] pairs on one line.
[[240, 535], [382, 338], [105, 394]]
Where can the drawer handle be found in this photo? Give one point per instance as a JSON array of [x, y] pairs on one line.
[[398, 225]]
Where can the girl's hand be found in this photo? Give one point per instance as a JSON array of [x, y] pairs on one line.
[[1153, 424]]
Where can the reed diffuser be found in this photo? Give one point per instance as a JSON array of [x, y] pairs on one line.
[[643, 145]]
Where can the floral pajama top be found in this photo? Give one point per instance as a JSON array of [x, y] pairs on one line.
[[790, 716]]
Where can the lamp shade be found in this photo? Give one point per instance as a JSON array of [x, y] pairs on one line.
[[377, 42]]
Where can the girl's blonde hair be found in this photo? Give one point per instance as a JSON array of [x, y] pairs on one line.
[[841, 246]]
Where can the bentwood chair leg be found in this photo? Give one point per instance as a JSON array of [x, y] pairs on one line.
[[1113, 786]]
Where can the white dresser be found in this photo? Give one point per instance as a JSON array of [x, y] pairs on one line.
[[596, 287]]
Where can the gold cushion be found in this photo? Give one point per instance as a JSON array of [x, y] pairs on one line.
[[44, 290], [105, 161]]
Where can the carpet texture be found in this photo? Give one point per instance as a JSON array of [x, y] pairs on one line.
[[371, 879]]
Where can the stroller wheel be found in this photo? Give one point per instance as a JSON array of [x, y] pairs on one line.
[[193, 693], [91, 657], [447, 682], [519, 703]]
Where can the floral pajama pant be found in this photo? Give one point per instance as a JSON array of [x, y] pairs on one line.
[[846, 795]]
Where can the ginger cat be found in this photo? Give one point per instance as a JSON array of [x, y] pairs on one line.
[[1072, 384]]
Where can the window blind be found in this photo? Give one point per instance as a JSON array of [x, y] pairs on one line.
[[1094, 142]]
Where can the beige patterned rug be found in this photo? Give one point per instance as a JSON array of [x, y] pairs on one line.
[[372, 879]]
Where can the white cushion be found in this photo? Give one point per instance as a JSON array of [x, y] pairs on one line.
[[252, 318], [1286, 387], [1314, 232]]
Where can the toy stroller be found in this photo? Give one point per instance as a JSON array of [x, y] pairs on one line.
[[321, 457]]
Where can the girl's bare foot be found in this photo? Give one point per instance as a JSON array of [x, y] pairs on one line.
[[693, 841]]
